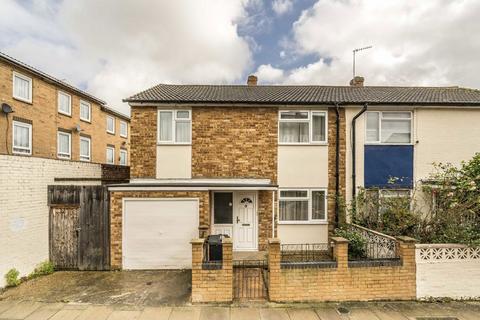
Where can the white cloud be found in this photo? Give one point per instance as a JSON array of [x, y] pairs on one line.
[[268, 74], [414, 42], [281, 7], [122, 47]]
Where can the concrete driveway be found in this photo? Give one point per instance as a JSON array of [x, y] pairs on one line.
[[141, 288]]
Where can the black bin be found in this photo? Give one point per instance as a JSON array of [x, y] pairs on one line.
[[214, 247]]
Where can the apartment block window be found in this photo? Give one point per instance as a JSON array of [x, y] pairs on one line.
[[123, 129], [110, 155], [64, 103], [85, 111], [123, 157], [302, 127], [388, 127], [302, 206], [175, 126], [22, 138], [85, 149], [111, 124], [22, 87], [64, 145]]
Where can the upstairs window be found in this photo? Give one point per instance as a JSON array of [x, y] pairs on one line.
[[123, 129], [174, 126], [22, 87], [110, 155], [85, 149], [64, 103], [303, 206], [123, 157], [302, 127], [85, 111], [64, 145], [22, 138], [388, 127], [111, 124]]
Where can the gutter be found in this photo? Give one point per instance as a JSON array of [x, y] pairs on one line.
[[337, 163], [354, 176]]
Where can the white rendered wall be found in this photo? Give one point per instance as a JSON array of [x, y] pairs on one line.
[[23, 207], [444, 270], [174, 161]]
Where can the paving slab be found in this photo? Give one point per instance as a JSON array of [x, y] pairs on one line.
[[185, 313], [5, 305], [328, 314], [156, 313], [274, 314], [66, 314], [45, 312], [302, 314], [245, 313], [214, 313], [468, 315], [362, 314], [20, 310], [124, 315], [388, 314], [95, 313]]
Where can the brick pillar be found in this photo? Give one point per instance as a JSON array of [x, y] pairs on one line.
[[274, 267], [406, 248], [197, 258], [340, 252], [227, 267]]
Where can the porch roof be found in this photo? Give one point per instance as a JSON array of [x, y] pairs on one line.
[[196, 184]]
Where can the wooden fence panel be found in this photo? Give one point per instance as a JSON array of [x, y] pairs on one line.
[[64, 230]]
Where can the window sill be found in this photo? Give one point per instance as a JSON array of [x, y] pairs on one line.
[[304, 144], [302, 222], [110, 132], [85, 120], [22, 154], [23, 100], [125, 137], [64, 114], [173, 144], [387, 144]]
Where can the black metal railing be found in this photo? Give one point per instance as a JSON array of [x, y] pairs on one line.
[[306, 255]]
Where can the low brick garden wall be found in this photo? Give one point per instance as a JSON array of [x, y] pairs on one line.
[[341, 282]]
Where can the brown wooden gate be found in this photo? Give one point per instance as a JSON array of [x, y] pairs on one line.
[[250, 280], [79, 227]]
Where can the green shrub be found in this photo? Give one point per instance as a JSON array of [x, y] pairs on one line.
[[12, 278], [42, 269], [356, 243]]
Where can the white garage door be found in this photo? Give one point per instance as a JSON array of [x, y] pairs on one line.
[[157, 233]]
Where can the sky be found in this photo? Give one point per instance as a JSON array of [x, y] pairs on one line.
[[115, 48]]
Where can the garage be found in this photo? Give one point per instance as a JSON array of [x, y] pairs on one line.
[[157, 233]]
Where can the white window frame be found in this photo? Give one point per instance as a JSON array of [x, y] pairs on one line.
[[29, 127], [87, 104], [174, 123], [69, 103], [380, 117], [106, 155], [83, 157], [64, 155], [126, 129], [113, 118], [126, 157], [310, 206], [30, 84], [309, 120]]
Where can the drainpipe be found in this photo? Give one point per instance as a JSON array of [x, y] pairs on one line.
[[337, 162], [354, 184]]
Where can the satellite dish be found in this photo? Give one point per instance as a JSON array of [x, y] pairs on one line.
[[78, 128], [6, 108]]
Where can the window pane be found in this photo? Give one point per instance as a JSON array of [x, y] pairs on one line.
[[110, 124], [293, 193], [84, 111], [64, 144], [223, 208], [396, 115], [85, 149], [21, 137], [123, 157], [165, 126], [294, 210], [318, 205], [396, 131], [64, 102], [123, 128], [183, 114], [294, 132], [110, 155], [293, 115], [182, 131], [372, 127], [318, 127], [22, 88]]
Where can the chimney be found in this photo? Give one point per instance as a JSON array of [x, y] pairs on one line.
[[357, 81], [252, 80]]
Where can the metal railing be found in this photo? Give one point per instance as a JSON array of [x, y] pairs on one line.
[[378, 246], [306, 255]]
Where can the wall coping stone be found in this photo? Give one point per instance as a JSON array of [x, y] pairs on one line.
[[197, 241], [406, 239], [339, 240]]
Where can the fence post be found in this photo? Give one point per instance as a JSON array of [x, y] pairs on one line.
[[274, 268], [340, 252], [227, 266]]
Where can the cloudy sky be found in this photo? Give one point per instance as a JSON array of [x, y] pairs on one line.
[[114, 48]]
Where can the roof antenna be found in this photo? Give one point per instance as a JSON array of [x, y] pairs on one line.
[[354, 52]]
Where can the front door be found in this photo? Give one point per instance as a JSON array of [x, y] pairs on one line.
[[245, 222]]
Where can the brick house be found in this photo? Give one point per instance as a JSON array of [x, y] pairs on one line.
[[256, 162], [54, 120]]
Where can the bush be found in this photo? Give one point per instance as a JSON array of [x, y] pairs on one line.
[[356, 243], [42, 269], [12, 278]]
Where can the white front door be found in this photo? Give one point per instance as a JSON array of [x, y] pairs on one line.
[[245, 221]]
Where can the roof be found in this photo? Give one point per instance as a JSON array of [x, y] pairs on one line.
[[115, 112], [49, 78], [304, 95]]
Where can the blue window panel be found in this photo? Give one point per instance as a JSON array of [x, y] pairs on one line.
[[386, 163]]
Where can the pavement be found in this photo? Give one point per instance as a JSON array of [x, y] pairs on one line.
[[34, 310]]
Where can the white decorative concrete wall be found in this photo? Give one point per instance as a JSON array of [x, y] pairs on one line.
[[24, 210], [447, 270]]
